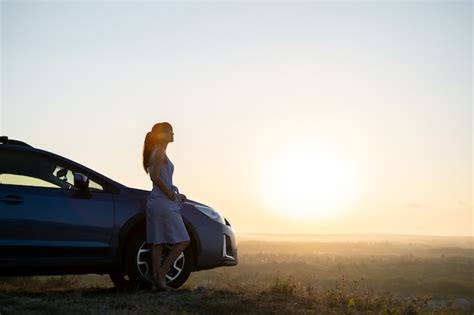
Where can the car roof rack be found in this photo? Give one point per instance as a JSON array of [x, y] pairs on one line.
[[5, 140]]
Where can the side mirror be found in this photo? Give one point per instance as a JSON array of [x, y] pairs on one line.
[[81, 181]]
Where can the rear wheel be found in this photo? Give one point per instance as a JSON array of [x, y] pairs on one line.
[[139, 266]]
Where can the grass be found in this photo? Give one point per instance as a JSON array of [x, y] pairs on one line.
[[273, 278], [283, 296]]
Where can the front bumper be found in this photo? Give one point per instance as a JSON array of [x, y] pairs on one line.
[[218, 248], [216, 242], [229, 247]]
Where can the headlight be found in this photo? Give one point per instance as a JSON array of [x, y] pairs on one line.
[[211, 213]]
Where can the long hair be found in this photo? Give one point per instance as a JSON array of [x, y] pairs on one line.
[[152, 138]]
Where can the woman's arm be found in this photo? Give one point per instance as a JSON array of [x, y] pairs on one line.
[[156, 160]]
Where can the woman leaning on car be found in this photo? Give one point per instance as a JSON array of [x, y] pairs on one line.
[[164, 223]]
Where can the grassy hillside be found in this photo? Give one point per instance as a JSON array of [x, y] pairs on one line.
[[279, 277]]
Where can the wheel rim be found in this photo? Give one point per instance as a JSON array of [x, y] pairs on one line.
[[144, 262]]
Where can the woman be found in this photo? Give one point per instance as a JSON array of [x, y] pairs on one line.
[[164, 224]]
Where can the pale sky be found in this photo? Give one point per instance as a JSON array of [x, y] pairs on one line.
[[257, 94]]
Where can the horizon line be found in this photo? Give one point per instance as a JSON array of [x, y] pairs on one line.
[[350, 234]]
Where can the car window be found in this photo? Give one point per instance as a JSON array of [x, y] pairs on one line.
[[30, 169], [22, 180], [27, 169], [67, 176]]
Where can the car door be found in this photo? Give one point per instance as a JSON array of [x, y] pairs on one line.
[[42, 214]]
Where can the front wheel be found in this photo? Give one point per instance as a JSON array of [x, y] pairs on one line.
[[139, 266]]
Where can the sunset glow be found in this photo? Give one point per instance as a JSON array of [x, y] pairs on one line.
[[308, 117], [307, 184]]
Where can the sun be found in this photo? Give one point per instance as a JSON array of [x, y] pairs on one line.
[[309, 184]]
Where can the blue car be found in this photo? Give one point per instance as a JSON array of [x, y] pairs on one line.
[[59, 217]]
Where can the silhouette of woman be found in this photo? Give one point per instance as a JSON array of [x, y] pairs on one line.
[[164, 224]]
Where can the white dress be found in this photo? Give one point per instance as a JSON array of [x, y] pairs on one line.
[[164, 223]]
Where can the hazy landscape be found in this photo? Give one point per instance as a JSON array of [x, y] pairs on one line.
[[287, 117], [283, 274]]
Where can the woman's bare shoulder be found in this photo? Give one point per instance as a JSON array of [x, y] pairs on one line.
[[157, 155]]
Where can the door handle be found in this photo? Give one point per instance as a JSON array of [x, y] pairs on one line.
[[11, 199]]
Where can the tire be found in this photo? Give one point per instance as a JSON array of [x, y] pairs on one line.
[[185, 261], [138, 265]]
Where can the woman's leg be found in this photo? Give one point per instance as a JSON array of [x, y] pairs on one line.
[[156, 250], [177, 249]]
